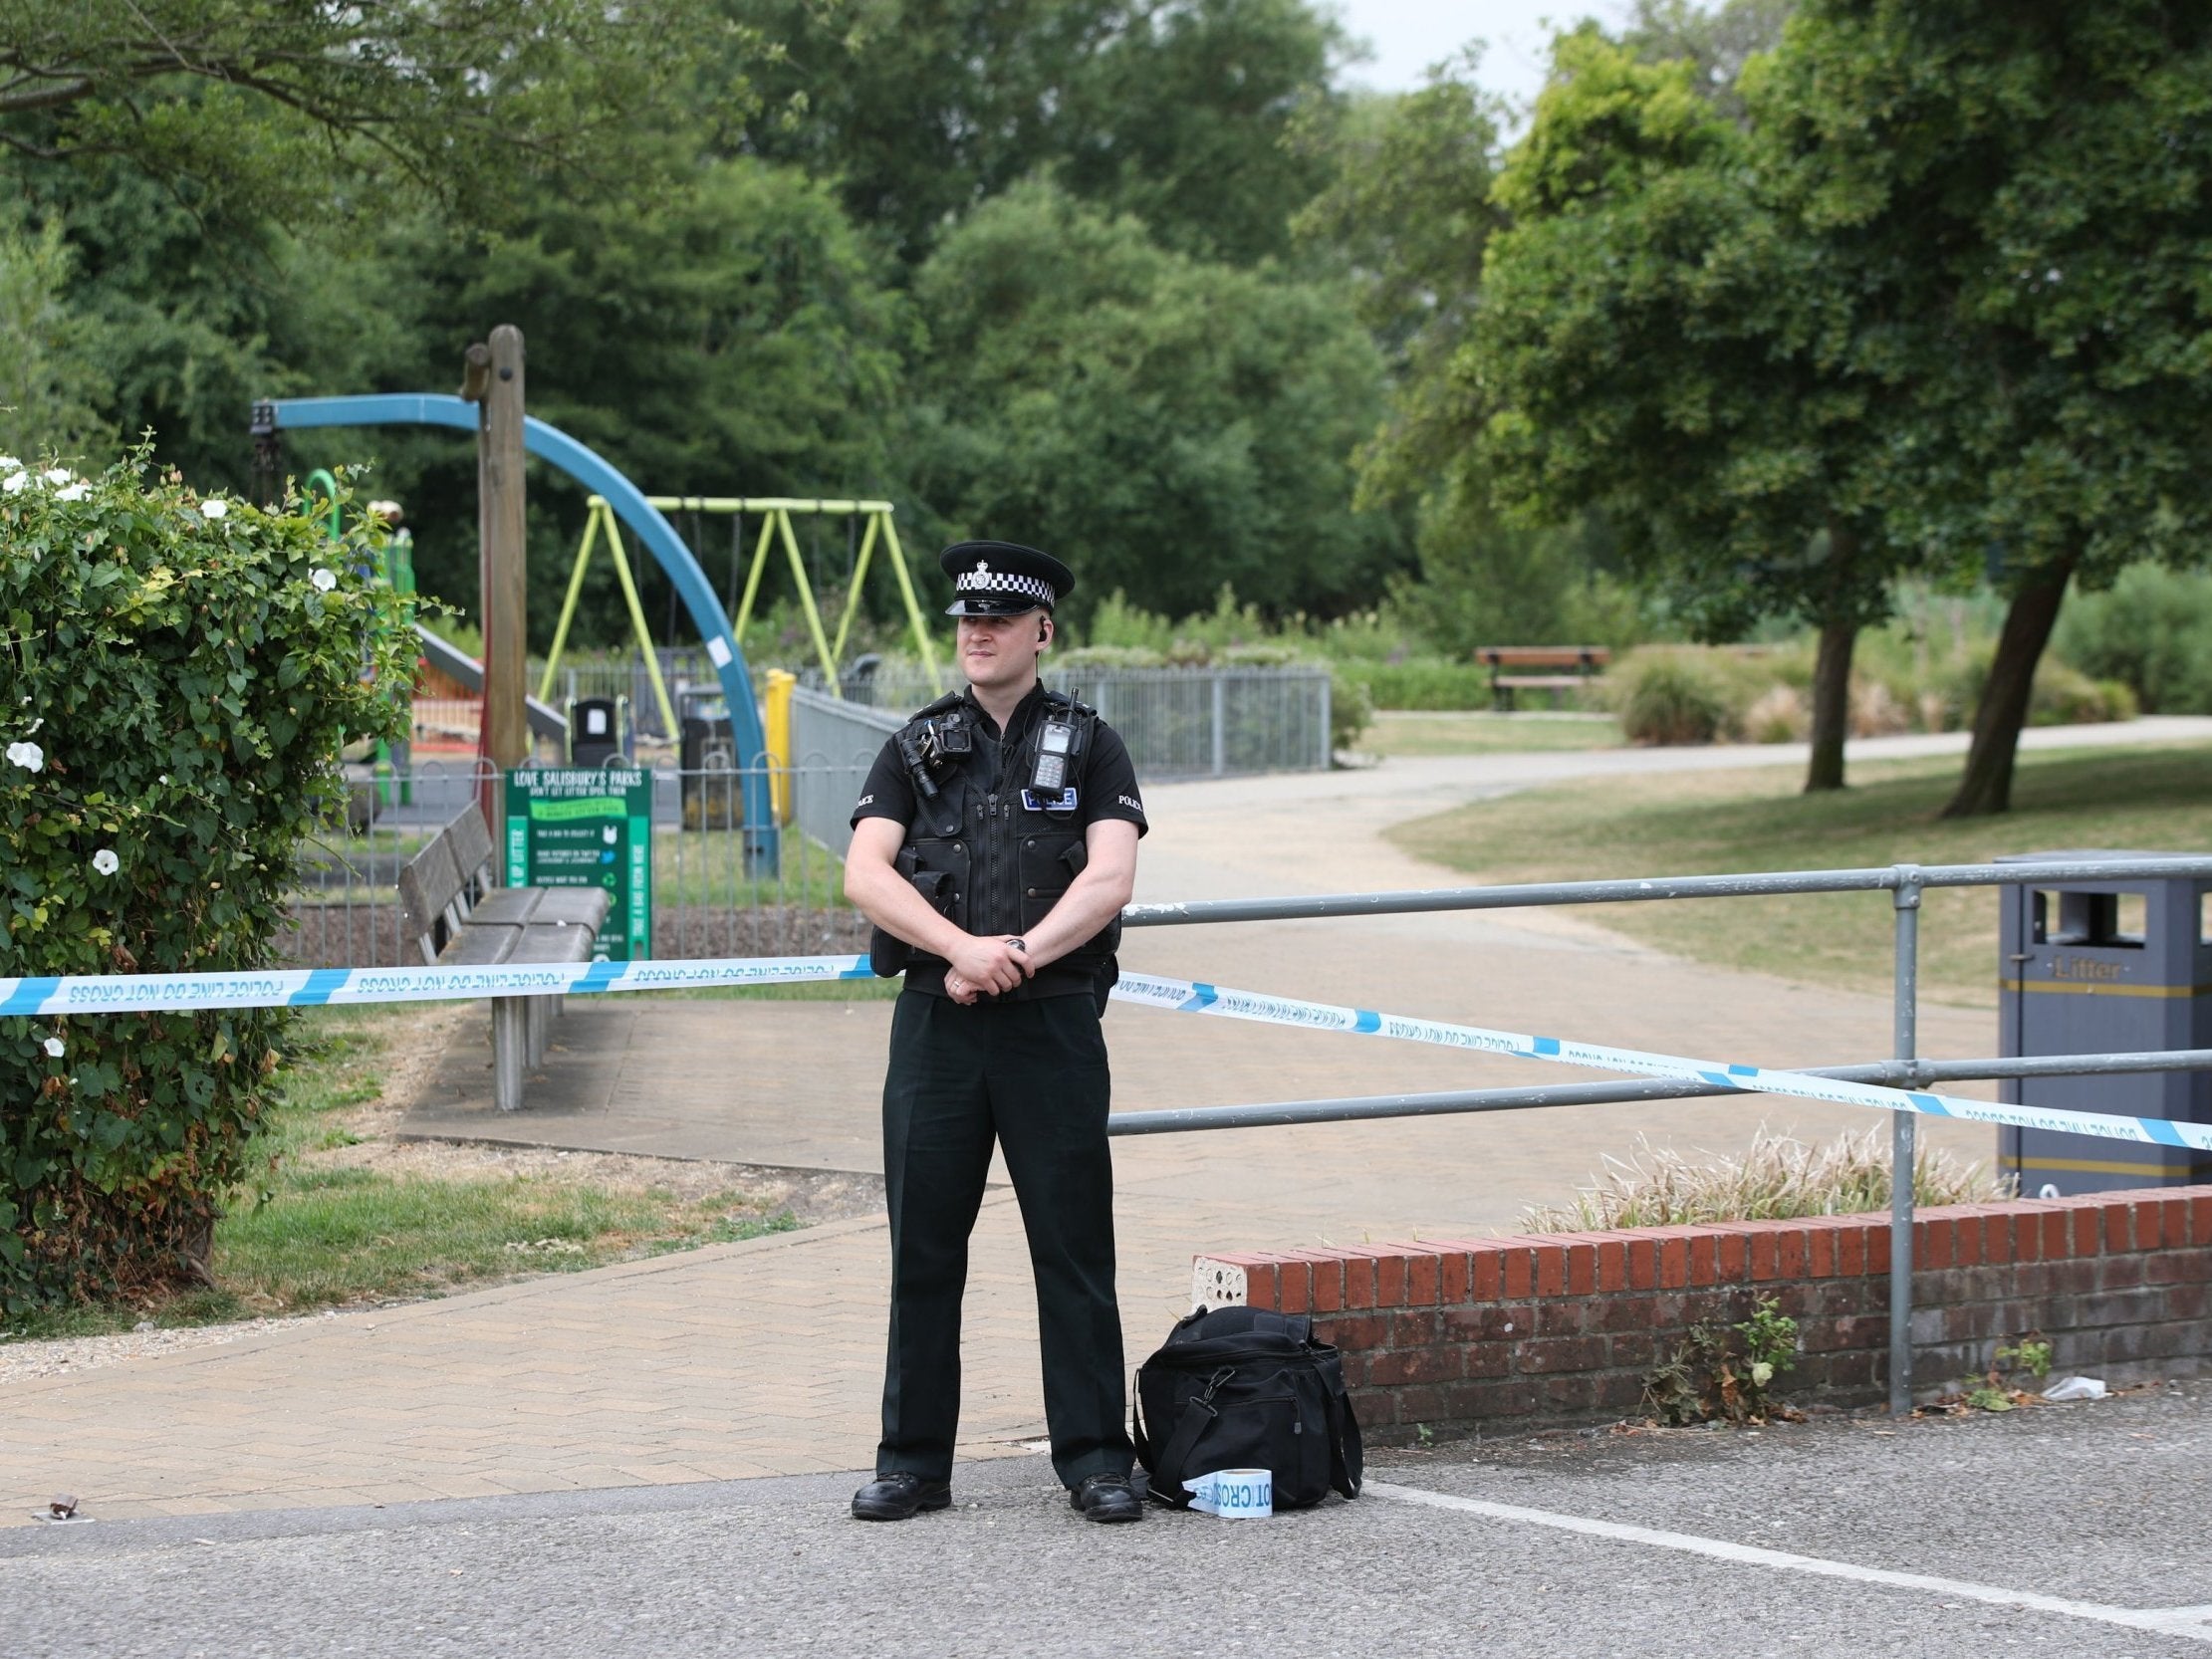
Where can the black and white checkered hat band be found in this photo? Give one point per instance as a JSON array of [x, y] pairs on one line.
[[983, 578]]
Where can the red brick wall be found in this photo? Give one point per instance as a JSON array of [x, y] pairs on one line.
[[1460, 1334]]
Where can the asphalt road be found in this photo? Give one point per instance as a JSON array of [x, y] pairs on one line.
[[2066, 1530]]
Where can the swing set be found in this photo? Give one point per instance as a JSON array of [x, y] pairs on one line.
[[867, 522]]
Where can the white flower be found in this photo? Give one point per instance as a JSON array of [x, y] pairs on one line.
[[28, 756], [214, 507], [105, 861], [322, 580], [57, 475], [10, 463], [55, 1047], [14, 482], [164, 777], [73, 492]]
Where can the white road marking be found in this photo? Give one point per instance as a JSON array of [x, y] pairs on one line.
[[2194, 1624]]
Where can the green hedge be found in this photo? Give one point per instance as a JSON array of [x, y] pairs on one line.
[[177, 676], [1423, 684]]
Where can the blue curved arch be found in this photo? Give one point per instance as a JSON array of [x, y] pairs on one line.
[[595, 473]]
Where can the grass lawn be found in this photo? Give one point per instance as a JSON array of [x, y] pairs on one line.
[[327, 1225], [1484, 733], [2153, 800]]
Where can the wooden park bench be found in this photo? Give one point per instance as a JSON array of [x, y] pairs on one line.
[[459, 918], [1510, 664]]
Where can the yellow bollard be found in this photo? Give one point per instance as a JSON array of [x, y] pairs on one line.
[[776, 720]]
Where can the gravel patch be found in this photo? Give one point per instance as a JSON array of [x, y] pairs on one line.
[[67, 1356]]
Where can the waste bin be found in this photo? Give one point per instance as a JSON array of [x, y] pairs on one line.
[[598, 730], [712, 791], [2099, 967]]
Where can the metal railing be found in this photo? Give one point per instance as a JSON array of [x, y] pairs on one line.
[[683, 671], [1904, 883], [346, 913], [1176, 722]]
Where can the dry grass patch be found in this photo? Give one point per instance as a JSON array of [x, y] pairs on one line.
[[1776, 1178]]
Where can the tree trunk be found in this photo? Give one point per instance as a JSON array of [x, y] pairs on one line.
[[1831, 705], [1986, 786]]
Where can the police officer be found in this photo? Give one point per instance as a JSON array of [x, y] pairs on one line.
[[994, 846]]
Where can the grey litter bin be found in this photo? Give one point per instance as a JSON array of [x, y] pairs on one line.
[[2095, 967], [598, 730], [713, 797]]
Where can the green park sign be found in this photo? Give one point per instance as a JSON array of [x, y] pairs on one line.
[[579, 827]]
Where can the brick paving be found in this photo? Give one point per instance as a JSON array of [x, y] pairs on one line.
[[764, 1357]]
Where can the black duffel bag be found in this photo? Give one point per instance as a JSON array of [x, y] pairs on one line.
[[1243, 1388]]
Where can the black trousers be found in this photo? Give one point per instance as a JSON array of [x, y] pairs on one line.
[[1033, 1076]]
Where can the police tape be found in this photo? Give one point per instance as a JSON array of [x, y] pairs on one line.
[[344, 986], [1191, 997]]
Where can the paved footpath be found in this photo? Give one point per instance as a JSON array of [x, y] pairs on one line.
[[762, 1357]]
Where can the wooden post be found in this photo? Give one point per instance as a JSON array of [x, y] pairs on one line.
[[497, 382]]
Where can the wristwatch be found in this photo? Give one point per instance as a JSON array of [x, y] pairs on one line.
[[1017, 942]]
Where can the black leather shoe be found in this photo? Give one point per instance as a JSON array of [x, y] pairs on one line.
[[1107, 1498], [900, 1498]]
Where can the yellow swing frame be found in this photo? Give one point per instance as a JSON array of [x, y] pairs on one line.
[[776, 526]]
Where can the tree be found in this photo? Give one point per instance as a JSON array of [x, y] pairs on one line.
[[47, 387], [731, 337], [2024, 191], [1653, 339], [1172, 109], [1167, 425], [266, 105]]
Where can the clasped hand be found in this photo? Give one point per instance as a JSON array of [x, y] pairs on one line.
[[985, 966]]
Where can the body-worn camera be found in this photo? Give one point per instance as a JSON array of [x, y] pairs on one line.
[[926, 751]]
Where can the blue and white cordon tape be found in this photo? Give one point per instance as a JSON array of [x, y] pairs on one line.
[[341, 987]]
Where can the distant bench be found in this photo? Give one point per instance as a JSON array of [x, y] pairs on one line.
[[460, 920], [1509, 666]]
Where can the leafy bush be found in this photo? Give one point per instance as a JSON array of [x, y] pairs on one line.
[[1427, 684], [2065, 696], [177, 676], [1682, 694], [2152, 630], [1668, 694]]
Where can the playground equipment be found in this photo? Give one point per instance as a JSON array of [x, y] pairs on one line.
[[624, 499], [776, 513]]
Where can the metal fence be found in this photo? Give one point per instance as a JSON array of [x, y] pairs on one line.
[[346, 913], [683, 671], [344, 909], [1904, 883], [1178, 722], [834, 739]]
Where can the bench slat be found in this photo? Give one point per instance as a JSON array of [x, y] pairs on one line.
[[553, 944], [1542, 656], [480, 947], [472, 844], [506, 908], [427, 885], [585, 907]]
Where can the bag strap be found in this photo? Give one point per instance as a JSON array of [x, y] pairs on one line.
[[1345, 1448]]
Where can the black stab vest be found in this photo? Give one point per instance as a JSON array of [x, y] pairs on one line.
[[993, 867]]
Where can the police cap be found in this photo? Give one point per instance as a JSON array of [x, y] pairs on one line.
[[1003, 578]]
